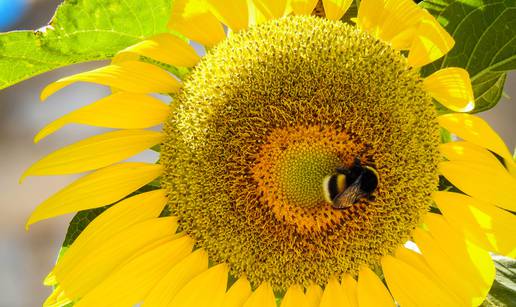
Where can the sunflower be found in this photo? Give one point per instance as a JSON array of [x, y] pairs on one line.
[[287, 94]]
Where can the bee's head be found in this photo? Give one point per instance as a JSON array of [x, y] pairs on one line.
[[369, 181]]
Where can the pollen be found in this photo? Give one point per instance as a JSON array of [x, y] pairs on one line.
[[265, 116]]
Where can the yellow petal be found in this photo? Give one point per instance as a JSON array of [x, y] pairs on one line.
[[303, 7], [431, 42], [399, 23], [511, 167], [57, 299], [90, 268], [183, 272], [115, 219], [487, 226], [121, 110], [482, 182], [465, 269], [233, 13], [95, 152], [295, 297], [411, 287], [415, 260], [193, 19], [255, 15], [469, 152], [392, 21], [452, 87], [271, 9], [261, 297], [103, 187], [334, 295], [130, 76], [165, 48], [134, 280], [237, 294], [213, 284], [335, 9], [50, 279], [403, 40], [370, 14], [313, 295], [349, 285], [473, 129], [371, 291]]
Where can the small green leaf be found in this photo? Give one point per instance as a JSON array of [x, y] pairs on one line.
[[80, 31], [503, 291], [445, 185], [446, 136], [352, 12], [485, 41]]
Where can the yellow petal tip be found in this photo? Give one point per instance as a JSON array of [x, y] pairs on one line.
[[44, 95], [32, 219], [50, 279], [48, 91], [24, 175], [469, 107], [38, 137]]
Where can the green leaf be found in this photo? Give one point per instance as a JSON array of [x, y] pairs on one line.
[[80, 31], [446, 136], [485, 41], [503, 291]]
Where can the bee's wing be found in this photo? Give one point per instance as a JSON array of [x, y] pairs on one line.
[[348, 197]]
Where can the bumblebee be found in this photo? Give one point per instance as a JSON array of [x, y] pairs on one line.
[[348, 185]]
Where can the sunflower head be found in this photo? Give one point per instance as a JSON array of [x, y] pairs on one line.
[[282, 102], [266, 116]]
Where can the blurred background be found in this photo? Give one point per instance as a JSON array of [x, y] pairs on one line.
[[26, 257]]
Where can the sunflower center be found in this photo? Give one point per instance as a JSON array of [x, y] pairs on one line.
[[265, 117], [290, 171], [300, 172], [293, 167]]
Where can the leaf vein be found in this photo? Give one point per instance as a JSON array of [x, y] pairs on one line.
[[459, 25], [486, 30]]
